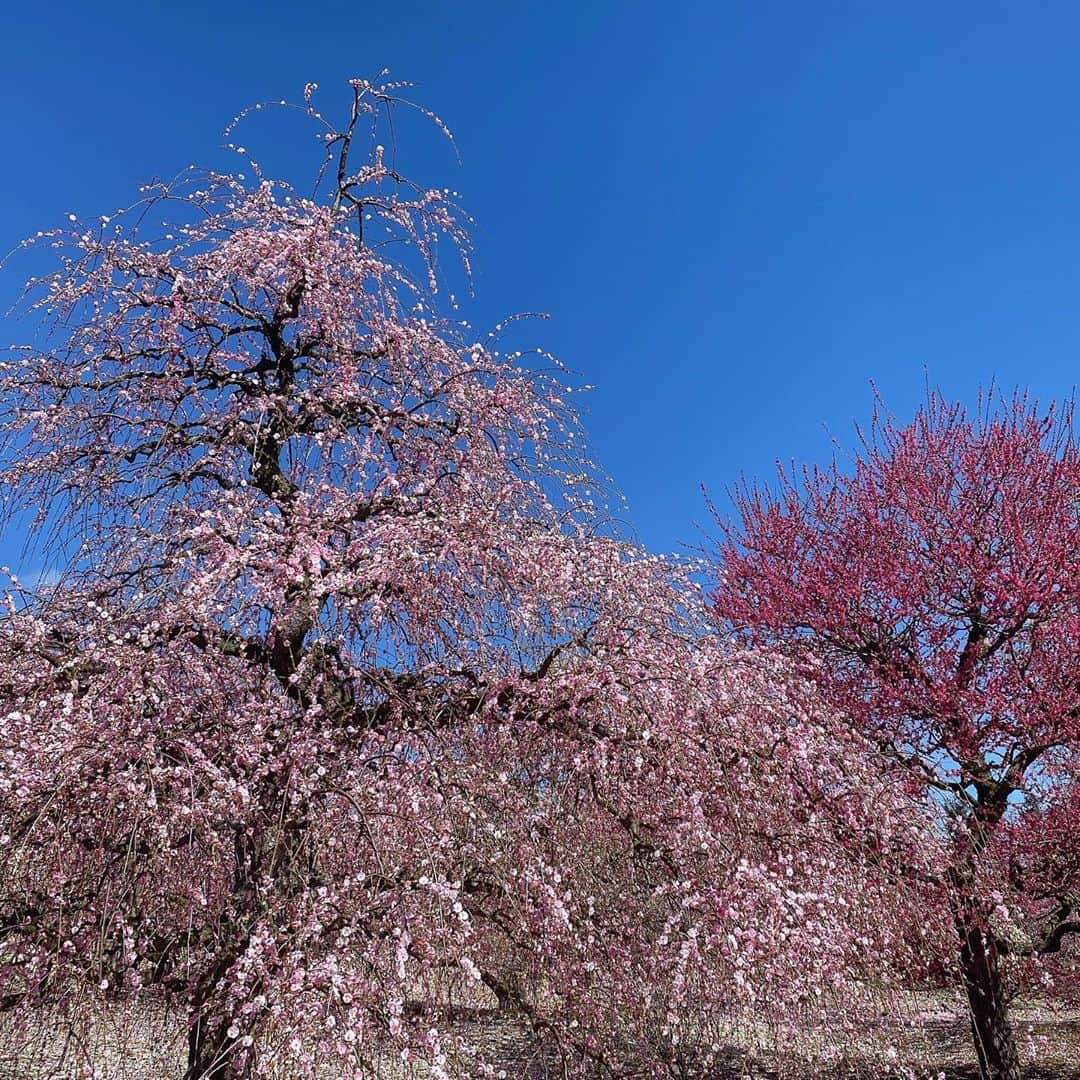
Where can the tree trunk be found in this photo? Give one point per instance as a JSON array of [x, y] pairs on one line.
[[208, 1052], [209, 1045], [995, 1046]]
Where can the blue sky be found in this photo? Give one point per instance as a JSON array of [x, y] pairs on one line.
[[736, 214]]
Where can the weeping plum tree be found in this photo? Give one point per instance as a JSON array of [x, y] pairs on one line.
[[935, 588], [345, 711]]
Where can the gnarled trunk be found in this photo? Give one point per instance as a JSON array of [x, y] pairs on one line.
[[995, 1045], [209, 1056], [209, 1044]]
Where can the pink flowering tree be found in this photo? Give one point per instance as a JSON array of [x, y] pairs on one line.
[[345, 718], [933, 587]]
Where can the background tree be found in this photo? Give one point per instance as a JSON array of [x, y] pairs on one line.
[[935, 587], [346, 715]]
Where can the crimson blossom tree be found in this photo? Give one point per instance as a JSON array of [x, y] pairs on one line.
[[346, 715], [935, 588]]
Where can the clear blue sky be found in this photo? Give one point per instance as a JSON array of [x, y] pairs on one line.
[[737, 214]]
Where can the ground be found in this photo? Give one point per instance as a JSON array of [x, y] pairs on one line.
[[932, 1041]]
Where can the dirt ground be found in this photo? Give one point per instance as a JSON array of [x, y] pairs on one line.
[[1049, 1039], [932, 1042]]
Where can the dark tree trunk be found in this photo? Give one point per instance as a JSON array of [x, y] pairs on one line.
[[209, 1056], [995, 1045], [209, 1046]]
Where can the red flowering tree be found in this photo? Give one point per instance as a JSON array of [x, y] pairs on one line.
[[343, 718], [935, 587]]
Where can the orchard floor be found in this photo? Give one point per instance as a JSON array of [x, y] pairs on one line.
[[933, 1042], [937, 1040]]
